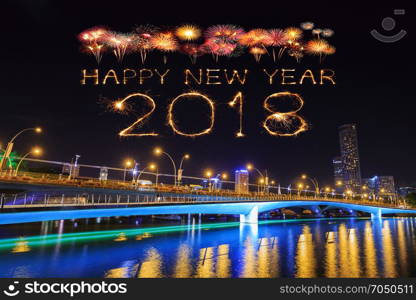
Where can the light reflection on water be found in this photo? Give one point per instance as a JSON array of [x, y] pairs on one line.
[[343, 248]]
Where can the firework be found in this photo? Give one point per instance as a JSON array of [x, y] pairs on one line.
[[120, 43], [92, 40], [192, 50], [307, 25], [296, 54], [317, 32], [188, 32], [330, 50], [284, 119], [257, 52], [220, 40], [319, 47], [143, 44], [218, 47], [293, 33], [277, 39], [165, 42], [226, 33], [256, 38], [122, 107], [171, 119], [327, 32]]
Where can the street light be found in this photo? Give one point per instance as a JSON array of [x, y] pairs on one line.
[[151, 167], [180, 171], [208, 175], [127, 164], [154, 167], [35, 151], [266, 178], [314, 182], [158, 151], [10, 144], [300, 187], [349, 193]]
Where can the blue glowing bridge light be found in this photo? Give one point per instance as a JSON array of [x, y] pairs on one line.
[[242, 171]]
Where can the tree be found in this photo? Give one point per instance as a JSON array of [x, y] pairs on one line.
[[12, 161], [411, 199]]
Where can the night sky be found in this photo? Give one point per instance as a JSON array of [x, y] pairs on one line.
[[40, 85]]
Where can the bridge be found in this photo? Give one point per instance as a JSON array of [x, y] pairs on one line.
[[47, 202]]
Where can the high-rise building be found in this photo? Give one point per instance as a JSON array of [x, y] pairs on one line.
[[337, 163], [241, 181], [380, 185], [351, 172], [385, 184]]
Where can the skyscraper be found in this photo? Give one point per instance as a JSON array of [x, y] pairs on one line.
[[241, 181], [337, 163], [351, 172]]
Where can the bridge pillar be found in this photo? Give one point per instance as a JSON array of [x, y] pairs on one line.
[[251, 217], [376, 215]]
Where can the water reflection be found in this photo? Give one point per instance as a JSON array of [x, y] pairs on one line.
[[151, 267], [370, 252], [336, 248], [183, 267], [21, 246], [389, 258], [305, 256]]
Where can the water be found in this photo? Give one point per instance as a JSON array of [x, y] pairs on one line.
[[297, 248]]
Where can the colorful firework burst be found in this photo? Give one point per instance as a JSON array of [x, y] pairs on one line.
[[319, 47], [192, 50], [293, 33], [307, 25], [226, 33], [143, 43], [257, 52], [92, 41], [327, 32], [218, 47], [256, 38], [119, 43], [188, 32], [317, 32], [165, 42], [277, 38]]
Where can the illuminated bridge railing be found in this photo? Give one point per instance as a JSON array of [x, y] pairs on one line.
[[44, 200]]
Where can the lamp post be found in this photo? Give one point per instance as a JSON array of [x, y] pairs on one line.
[[73, 171], [35, 151], [180, 170], [326, 190], [10, 161], [156, 169], [159, 151], [127, 164], [265, 179], [314, 182], [10, 144], [300, 186], [208, 174]]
